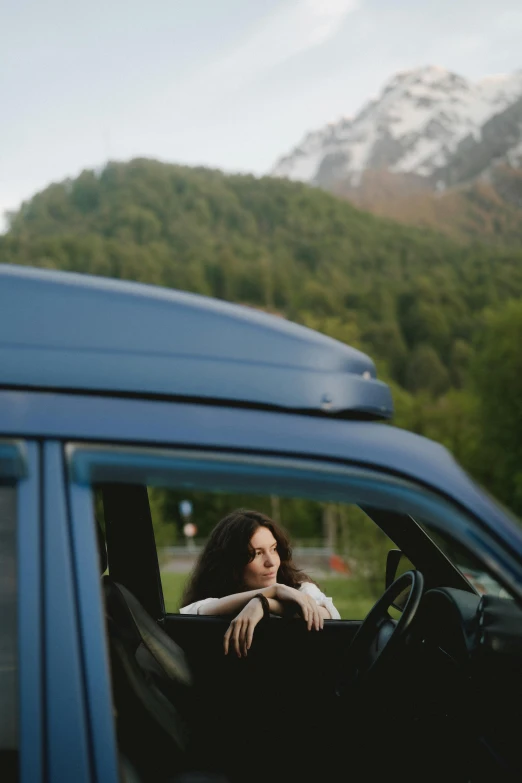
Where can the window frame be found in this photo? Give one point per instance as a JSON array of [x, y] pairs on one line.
[[98, 707], [66, 727], [94, 463]]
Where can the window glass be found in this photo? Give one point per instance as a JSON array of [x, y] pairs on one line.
[[8, 635]]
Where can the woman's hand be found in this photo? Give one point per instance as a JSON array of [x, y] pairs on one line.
[[308, 607], [240, 632]]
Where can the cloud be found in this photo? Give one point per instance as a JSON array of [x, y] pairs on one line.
[[293, 28]]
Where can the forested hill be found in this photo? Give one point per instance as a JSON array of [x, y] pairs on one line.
[[413, 299]]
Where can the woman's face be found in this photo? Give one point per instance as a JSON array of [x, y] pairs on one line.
[[262, 570]]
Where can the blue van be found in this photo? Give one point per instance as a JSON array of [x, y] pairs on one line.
[[108, 389]]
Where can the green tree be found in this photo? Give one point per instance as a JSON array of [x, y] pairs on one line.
[[425, 371], [497, 377]]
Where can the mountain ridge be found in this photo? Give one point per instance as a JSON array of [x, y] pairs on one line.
[[421, 120]]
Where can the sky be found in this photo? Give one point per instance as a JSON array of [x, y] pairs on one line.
[[231, 84]]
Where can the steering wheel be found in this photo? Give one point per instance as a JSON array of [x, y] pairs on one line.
[[379, 638]]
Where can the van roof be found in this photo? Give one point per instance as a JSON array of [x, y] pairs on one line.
[[70, 332]]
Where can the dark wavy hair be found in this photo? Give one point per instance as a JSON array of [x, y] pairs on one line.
[[220, 567]]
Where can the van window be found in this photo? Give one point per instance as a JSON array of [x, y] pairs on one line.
[[336, 544]]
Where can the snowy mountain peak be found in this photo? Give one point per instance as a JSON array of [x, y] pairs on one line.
[[428, 76], [414, 126]]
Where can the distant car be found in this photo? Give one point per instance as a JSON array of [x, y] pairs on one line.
[[107, 388]]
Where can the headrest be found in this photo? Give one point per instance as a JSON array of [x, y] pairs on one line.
[[102, 549]]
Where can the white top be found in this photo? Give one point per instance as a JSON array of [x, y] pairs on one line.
[[305, 587]]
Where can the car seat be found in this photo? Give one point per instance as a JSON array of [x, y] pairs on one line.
[[151, 689]]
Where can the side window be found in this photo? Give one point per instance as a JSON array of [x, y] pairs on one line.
[[336, 544], [8, 637]]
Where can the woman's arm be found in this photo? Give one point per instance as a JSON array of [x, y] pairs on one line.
[[240, 632], [326, 605], [250, 611], [231, 604], [276, 595]]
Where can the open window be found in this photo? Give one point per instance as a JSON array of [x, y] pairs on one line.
[[335, 544], [156, 509]]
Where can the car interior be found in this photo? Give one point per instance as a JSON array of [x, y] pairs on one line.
[[426, 685]]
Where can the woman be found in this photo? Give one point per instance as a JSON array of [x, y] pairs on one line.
[[246, 569]]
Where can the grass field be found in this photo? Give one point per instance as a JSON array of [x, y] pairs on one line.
[[352, 597]]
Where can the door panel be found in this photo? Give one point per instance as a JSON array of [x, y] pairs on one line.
[[284, 688], [276, 643]]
